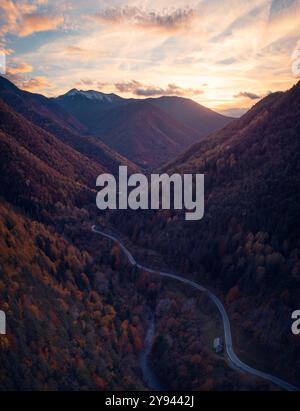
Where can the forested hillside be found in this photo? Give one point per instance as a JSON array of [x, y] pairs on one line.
[[70, 321], [45, 114], [148, 131], [77, 312], [68, 328], [247, 245]]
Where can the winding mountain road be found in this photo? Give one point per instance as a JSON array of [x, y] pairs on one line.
[[233, 358]]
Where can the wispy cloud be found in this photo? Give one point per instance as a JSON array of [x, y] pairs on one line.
[[248, 94], [20, 68], [81, 53], [170, 21], [87, 82], [22, 18], [19, 76], [35, 22], [140, 89], [36, 84], [74, 49], [228, 61], [236, 47]]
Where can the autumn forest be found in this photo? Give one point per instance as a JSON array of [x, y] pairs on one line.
[[78, 313]]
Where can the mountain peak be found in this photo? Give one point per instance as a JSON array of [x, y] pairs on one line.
[[92, 95], [72, 92]]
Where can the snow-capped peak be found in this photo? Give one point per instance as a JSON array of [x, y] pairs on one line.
[[92, 95]]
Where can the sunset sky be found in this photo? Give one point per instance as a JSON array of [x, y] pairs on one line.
[[225, 54]]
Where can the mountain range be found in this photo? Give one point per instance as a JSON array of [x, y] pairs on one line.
[[246, 248], [149, 132], [63, 313], [144, 133], [76, 312]]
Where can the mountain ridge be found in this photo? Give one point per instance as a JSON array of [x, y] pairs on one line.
[[92, 95], [49, 116], [246, 247], [143, 133], [170, 123]]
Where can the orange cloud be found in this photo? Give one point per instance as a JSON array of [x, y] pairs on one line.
[[4, 49], [79, 52], [20, 68], [146, 90], [8, 17], [13, 13], [37, 83], [74, 49], [38, 22]]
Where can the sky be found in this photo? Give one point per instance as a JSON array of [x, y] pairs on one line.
[[224, 54]]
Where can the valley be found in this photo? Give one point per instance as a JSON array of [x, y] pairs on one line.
[[236, 363], [146, 131], [57, 275], [246, 246]]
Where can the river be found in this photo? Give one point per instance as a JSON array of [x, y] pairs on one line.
[[148, 375]]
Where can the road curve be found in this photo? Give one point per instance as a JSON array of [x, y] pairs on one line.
[[233, 358]]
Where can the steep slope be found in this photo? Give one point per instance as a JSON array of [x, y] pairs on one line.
[[49, 116], [87, 106], [247, 245], [65, 309], [57, 282], [147, 131], [144, 133], [37, 108], [37, 169], [191, 114], [47, 147]]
